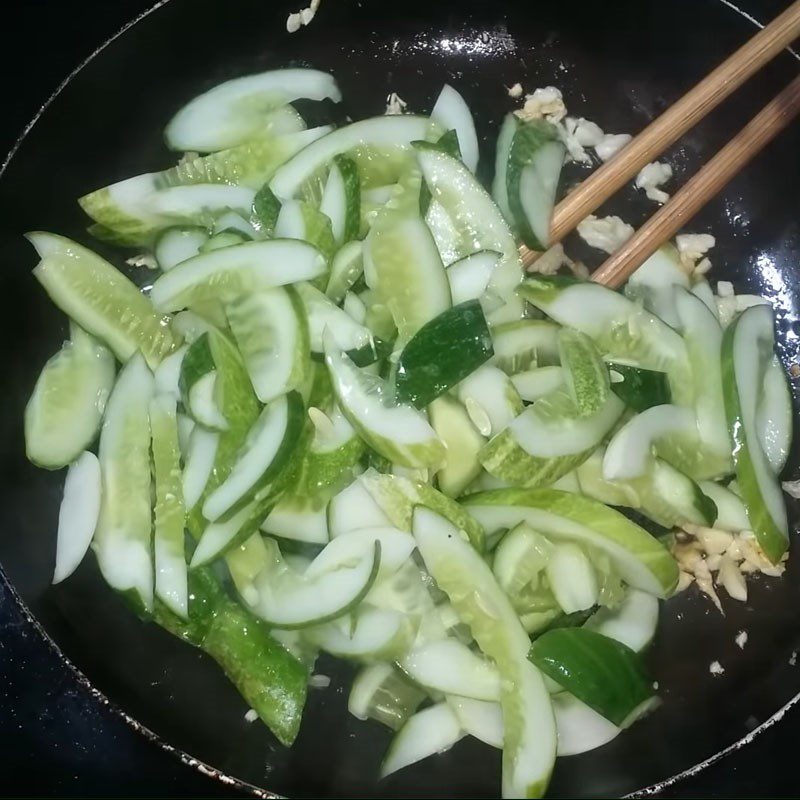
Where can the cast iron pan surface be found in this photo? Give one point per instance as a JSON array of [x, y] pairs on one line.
[[618, 67]]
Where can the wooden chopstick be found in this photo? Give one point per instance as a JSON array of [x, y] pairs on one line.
[[691, 197], [671, 125]]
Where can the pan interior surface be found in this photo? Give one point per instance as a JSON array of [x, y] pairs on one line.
[[618, 64]]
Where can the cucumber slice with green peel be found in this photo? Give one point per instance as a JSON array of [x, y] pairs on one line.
[[490, 399], [266, 209], [100, 299], [442, 353], [474, 215], [639, 559], [300, 220], [452, 113], [201, 402], [731, 513], [774, 416], [169, 513], [224, 239], [580, 728], [502, 152], [175, 245], [373, 634], [271, 331], [353, 508], [601, 672], [265, 453], [324, 315], [534, 165], [347, 266], [447, 143], [633, 622], [341, 199], [530, 736], [403, 266], [653, 284], [400, 433], [469, 276], [479, 718], [538, 382], [450, 667], [232, 112], [232, 272], [222, 536], [235, 223], [631, 449], [620, 328], [585, 373], [572, 578], [168, 373], [66, 407], [78, 514], [381, 133], [397, 497], [524, 344], [122, 539], [431, 731], [462, 441], [299, 521], [288, 600], [746, 348], [638, 388], [447, 237], [190, 326], [199, 463], [382, 693]]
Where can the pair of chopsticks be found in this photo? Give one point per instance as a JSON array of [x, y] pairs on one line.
[[665, 131]]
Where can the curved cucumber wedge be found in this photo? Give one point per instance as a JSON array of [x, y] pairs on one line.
[[65, 410], [502, 152], [235, 110], [572, 578], [430, 731], [774, 416], [323, 314], [199, 463], [731, 513], [341, 199], [381, 692], [100, 299], [347, 266], [170, 513], [299, 219], [747, 346], [452, 113], [633, 622], [168, 373], [463, 442], [353, 508], [442, 353], [400, 433], [271, 332], [479, 718], [585, 373], [536, 383], [640, 559], [395, 545], [529, 745], [653, 284], [298, 519], [403, 266], [580, 728], [234, 271], [197, 383], [393, 132], [450, 667], [490, 399], [175, 245], [524, 344], [78, 514], [469, 276], [122, 540]]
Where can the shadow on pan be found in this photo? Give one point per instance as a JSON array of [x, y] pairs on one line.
[[620, 67]]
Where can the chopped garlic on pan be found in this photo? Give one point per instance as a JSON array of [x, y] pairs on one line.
[[514, 91], [545, 103], [303, 17], [551, 261], [143, 260], [741, 639], [611, 144], [395, 105], [651, 176], [577, 134], [715, 668], [605, 233], [691, 248], [792, 488]]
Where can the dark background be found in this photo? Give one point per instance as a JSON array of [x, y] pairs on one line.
[[54, 737]]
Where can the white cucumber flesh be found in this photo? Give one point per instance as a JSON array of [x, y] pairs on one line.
[[580, 728], [503, 150], [535, 383], [524, 344], [234, 223], [353, 508], [633, 622], [347, 266], [537, 188], [323, 314], [774, 416], [198, 464], [479, 718], [168, 373], [731, 513], [452, 113], [202, 402], [572, 578], [653, 284], [469, 276], [490, 399], [176, 245], [453, 426], [300, 524]]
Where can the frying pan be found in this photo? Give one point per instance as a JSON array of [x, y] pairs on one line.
[[618, 66]]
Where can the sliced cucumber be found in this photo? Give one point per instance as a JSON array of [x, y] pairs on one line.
[[530, 736], [453, 114], [641, 561], [78, 514], [199, 463], [170, 514], [469, 276], [633, 622], [450, 667], [355, 307], [479, 718], [403, 266], [400, 433], [175, 245], [639, 389], [224, 239], [653, 284], [774, 416], [503, 150], [271, 332], [462, 442], [168, 373], [430, 731], [535, 383], [347, 267], [233, 111], [395, 546], [586, 376], [231, 272], [447, 237], [746, 349], [442, 353], [393, 132], [235, 223], [298, 519], [341, 199], [580, 728], [353, 508], [381, 692], [197, 383], [100, 299], [523, 344], [190, 325], [490, 399], [323, 314], [122, 540], [65, 410], [731, 513], [300, 220], [572, 578]]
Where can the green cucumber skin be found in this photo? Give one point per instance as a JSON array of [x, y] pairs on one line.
[[268, 677], [641, 388], [197, 362], [442, 353], [603, 673], [266, 208], [352, 190]]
